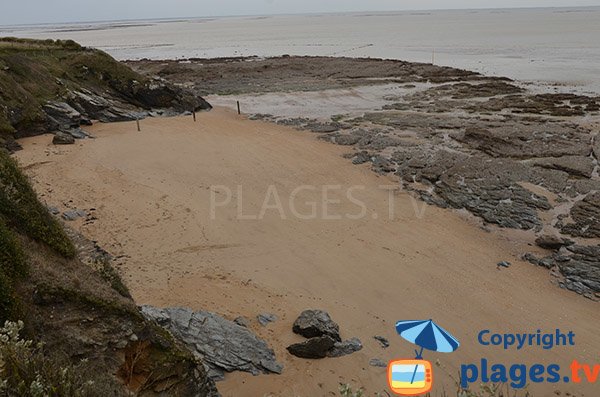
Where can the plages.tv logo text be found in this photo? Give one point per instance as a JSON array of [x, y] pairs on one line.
[[519, 375], [415, 377]]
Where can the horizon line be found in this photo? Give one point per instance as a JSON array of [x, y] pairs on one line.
[[181, 18]]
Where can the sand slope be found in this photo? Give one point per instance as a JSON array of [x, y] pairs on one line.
[[151, 192]]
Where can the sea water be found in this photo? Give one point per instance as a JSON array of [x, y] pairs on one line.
[[556, 46]]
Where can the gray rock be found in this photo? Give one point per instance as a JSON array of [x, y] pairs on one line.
[[53, 210], [361, 158], [62, 138], [586, 217], [315, 323], [490, 188], [382, 165], [63, 115], [579, 267], [323, 127], [346, 139], [221, 344], [574, 165], [552, 242], [382, 341], [345, 348], [313, 348], [72, 215], [522, 141], [242, 321], [266, 318], [104, 109], [379, 363], [504, 264], [77, 133]]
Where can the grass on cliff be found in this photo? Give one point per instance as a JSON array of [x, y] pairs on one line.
[[33, 72], [27, 371], [21, 209], [21, 212]]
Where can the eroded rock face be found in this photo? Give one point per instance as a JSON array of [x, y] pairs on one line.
[[222, 345], [581, 268], [573, 165], [316, 323], [579, 265], [586, 217]]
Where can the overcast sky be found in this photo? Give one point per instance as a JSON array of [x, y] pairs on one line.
[[38, 11]]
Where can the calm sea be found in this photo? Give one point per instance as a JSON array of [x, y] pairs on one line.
[[557, 46]]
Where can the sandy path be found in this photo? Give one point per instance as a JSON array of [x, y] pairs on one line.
[[152, 192]]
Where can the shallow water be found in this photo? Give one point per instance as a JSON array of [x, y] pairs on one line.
[[558, 46]]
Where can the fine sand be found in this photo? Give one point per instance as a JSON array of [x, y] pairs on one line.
[[151, 194]]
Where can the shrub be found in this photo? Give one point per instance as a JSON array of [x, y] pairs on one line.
[[23, 211], [26, 371], [12, 266]]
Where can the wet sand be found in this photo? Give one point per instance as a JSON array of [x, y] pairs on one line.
[[151, 194]]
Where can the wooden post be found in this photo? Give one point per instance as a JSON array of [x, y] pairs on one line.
[[238, 106], [433, 57], [194, 114], [137, 121]]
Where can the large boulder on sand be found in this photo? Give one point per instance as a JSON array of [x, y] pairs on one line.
[[313, 348], [316, 323], [62, 138]]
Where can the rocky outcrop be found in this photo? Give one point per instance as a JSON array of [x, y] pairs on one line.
[[586, 217], [574, 165], [323, 337], [313, 348], [316, 323], [49, 86], [522, 141], [222, 345], [579, 267]]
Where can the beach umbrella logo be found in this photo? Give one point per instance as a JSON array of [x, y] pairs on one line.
[[415, 377]]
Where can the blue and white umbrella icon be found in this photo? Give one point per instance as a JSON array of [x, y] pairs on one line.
[[427, 335]]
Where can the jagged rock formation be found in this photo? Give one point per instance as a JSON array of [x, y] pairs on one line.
[[222, 345]]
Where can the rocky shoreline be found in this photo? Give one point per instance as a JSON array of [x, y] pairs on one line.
[[516, 156]]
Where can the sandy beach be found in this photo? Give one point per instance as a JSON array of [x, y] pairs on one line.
[[149, 198]]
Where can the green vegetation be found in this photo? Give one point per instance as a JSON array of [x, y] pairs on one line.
[[112, 277], [12, 267], [21, 209], [21, 212], [25, 370]]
